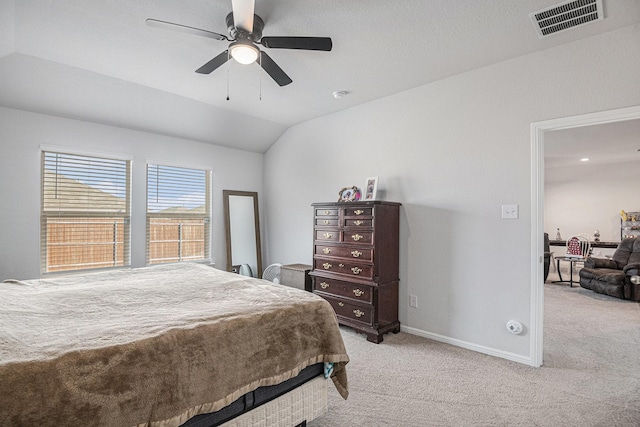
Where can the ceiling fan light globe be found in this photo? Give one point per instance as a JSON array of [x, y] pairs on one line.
[[244, 53]]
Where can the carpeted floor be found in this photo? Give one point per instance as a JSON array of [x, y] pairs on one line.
[[590, 377]]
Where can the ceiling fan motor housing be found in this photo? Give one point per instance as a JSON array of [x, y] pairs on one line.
[[239, 33]]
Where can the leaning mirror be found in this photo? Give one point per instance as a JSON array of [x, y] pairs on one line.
[[242, 224]]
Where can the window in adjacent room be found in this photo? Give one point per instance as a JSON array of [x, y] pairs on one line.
[[178, 212], [85, 212]]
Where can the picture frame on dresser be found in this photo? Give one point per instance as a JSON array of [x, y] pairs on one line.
[[371, 188], [349, 194]]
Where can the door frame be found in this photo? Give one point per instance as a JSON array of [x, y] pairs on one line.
[[538, 130]]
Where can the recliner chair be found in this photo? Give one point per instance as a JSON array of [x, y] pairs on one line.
[[619, 276]]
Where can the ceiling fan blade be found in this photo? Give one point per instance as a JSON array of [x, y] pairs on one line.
[[243, 14], [306, 43], [185, 29], [274, 70], [214, 63]]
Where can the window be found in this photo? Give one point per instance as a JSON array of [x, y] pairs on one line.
[[177, 214], [85, 212]]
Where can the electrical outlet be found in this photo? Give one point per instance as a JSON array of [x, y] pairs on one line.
[[413, 301]]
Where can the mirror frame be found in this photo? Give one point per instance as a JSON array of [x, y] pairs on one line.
[[227, 225]]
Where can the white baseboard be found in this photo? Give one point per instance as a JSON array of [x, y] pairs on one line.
[[526, 360]]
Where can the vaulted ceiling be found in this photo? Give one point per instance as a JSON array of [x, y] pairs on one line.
[[98, 61]]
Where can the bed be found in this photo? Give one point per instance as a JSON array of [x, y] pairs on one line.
[[158, 346]]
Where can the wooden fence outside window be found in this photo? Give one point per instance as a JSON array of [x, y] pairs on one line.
[[83, 243]]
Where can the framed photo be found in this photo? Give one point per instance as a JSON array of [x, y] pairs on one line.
[[349, 194], [371, 188]]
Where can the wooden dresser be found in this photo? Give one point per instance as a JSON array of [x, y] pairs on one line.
[[355, 263]]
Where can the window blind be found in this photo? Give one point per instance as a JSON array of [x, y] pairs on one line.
[[85, 212], [178, 212]]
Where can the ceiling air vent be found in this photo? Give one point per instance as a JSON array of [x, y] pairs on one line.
[[566, 15]]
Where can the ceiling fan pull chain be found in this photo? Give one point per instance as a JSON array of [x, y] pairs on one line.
[[260, 74], [228, 58]]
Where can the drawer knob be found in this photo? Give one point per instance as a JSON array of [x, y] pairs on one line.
[[356, 237], [327, 251], [327, 212], [326, 221], [358, 212], [356, 270], [358, 222], [358, 292], [341, 304], [356, 254], [327, 235], [341, 265], [324, 285], [326, 265], [358, 313]]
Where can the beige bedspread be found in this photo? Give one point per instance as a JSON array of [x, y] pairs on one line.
[[153, 346]]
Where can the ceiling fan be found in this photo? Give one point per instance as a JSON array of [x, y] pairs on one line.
[[245, 31]]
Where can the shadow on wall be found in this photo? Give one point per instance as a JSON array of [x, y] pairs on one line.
[[425, 260]]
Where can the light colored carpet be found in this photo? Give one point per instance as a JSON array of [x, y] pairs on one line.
[[590, 377]]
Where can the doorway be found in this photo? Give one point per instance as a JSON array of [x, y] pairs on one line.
[[538, 130]]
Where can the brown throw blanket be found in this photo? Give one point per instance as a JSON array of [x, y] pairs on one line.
[[153, 346]]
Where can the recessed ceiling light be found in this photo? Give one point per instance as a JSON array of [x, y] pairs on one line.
[[584, 159], [339, 94]]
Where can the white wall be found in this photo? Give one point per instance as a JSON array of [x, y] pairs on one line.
[[22, 134], [7, 27], [585, 198], [452, 153]]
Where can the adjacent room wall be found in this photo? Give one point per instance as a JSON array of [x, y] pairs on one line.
[[585, 198], [452, 153], [23, 133]]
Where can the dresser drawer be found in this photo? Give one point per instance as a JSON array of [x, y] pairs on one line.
[[358, 313], [344, 267], [328, 235], [355, 236], [327, 222], [330, 211], [357, 222], [358, 211], [343, 289], [344, 252]]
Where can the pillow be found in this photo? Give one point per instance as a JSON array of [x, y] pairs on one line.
[[573, 248]]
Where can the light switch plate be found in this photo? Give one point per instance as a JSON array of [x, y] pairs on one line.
[[510, 211]]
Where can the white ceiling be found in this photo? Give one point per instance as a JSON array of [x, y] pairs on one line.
[[602, 144], [96, 60]]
